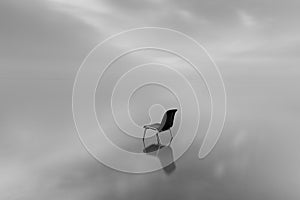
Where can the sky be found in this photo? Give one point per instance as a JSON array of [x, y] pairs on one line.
[[256, 45]]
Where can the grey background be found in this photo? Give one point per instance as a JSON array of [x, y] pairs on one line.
[[256, 46]]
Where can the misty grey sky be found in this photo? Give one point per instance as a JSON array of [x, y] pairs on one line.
[[256, 45]]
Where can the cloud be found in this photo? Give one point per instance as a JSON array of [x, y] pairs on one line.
[[228, 29], [36, 41], [42, 46], [246, 19]]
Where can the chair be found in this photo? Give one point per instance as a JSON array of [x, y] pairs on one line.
[[166, 124]]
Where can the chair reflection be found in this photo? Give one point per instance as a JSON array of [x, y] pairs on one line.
[[164, 154]]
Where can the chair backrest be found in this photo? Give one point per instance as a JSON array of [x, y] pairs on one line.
[[167, 120]]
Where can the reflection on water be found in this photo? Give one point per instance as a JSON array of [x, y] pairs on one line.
[[164, 154]]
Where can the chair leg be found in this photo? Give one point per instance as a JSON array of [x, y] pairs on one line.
[[157, 137], [171, 136], [144, 136]]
